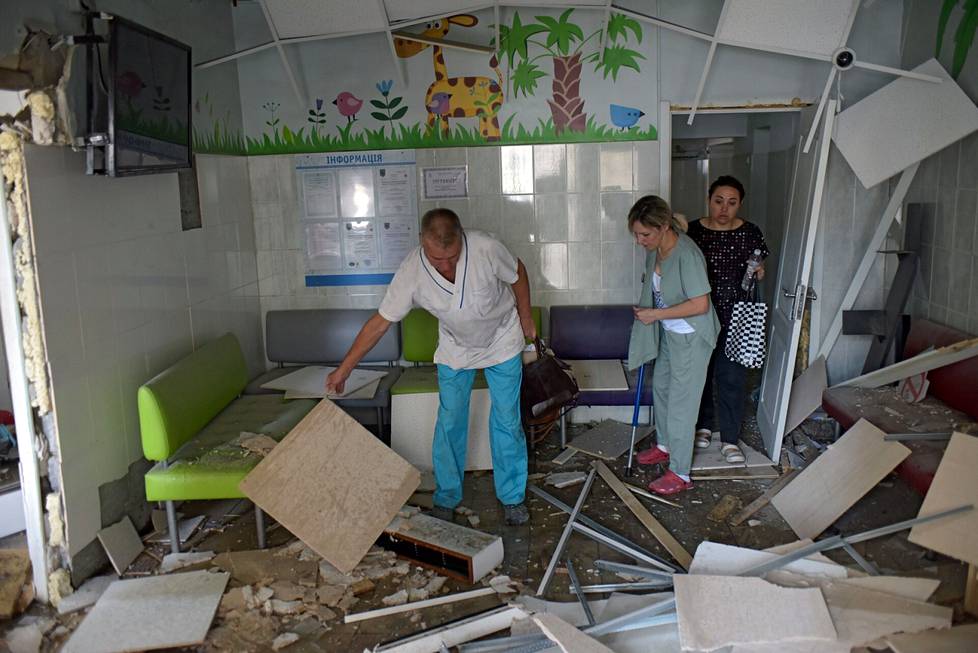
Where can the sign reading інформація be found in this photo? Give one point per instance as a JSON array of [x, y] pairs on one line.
[[558, 76], [358, 215]]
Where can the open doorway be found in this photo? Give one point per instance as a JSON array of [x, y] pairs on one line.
[[758, 148]]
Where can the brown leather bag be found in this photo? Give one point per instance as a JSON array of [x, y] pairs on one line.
[[547, 384]]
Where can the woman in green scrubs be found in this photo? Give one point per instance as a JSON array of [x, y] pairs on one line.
[[676, 326]]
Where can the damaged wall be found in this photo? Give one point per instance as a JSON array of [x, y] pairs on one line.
[[945, 290], [124, 292]]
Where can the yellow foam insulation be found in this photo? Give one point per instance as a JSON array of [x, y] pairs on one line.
[[12, 167], [56, 524], [59, 586], [41, 105], [42, 117]]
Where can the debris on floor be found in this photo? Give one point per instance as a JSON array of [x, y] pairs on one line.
[[565, 479], [418, 588]]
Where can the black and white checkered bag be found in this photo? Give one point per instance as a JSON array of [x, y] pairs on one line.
[[745, 336]]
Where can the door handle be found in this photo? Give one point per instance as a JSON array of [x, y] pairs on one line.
[[810, 294]]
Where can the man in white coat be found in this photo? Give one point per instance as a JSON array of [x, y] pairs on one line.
[[481, 296]]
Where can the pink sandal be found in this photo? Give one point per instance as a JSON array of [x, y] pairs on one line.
[[652, 456], [669, 483]]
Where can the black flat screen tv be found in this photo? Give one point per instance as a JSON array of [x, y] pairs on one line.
[[147, 124]]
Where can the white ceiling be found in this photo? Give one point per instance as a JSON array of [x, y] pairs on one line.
[[301, 18]]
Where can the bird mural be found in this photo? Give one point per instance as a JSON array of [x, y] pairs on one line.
[[624, 117], [129, 84], [348, 105], [440, 104]]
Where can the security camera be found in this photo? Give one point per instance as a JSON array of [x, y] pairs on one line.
[[843, 58]]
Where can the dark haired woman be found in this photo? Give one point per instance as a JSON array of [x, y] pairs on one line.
[[727, 241], [675, 325]]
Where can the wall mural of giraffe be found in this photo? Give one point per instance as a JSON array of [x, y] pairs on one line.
[[457, 97]]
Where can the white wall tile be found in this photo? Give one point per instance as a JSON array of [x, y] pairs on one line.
[[617, 272], [517, 169], [584, 217], [551, 214], [553, 266], [485, 214], [450, 156], [550, 168], [584, 168], [519, 220], [645, 166], [614, 216], [616, 166], [583, 267], [484, 171]]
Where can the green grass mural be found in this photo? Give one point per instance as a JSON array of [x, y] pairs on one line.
[[554, 46], [282, 140]]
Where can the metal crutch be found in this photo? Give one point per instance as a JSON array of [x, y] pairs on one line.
[[638, 404]]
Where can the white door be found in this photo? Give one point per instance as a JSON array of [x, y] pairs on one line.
[[794, 272]]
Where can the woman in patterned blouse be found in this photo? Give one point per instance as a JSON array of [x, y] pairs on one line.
[[727, 241]]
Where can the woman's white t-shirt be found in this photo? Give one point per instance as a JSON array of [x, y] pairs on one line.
[[676, 325]]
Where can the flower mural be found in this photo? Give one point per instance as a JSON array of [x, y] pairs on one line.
[[388, 104]]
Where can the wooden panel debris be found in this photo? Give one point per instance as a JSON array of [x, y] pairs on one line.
[[923, 362], [960, 639], [567, 637], [333, 484], [599, 375], [659, 531], [150, 613], [748, 474], [764, 499], [838, 478], [718, 611], [457, 632], [806, 394], [955, 484], [714, 559], [121, 543], [608, 440], [862, 616]]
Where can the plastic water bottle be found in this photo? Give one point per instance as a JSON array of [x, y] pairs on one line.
[[753, 262]]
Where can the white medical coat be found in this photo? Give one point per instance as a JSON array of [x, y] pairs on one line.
[[478, 325]]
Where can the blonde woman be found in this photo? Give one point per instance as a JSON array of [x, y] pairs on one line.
[[675, 325]]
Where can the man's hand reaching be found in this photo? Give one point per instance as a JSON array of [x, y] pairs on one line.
[[336, 381]]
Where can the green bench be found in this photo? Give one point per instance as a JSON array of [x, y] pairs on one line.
[[189, 417]]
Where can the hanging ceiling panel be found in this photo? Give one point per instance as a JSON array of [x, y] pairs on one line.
[[401, 10], [295, 18], [817, 26], [904, 122]]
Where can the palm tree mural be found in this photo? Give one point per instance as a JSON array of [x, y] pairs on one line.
[[963, 36], [564, 42]]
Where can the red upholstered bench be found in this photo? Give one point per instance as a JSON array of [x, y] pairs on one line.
[[951, 403]]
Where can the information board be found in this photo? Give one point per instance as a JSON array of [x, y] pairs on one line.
[[358, 213]]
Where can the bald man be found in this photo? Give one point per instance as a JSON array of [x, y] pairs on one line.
[[481, 296]]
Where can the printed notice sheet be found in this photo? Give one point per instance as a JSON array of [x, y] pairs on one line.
[[358, 215]]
